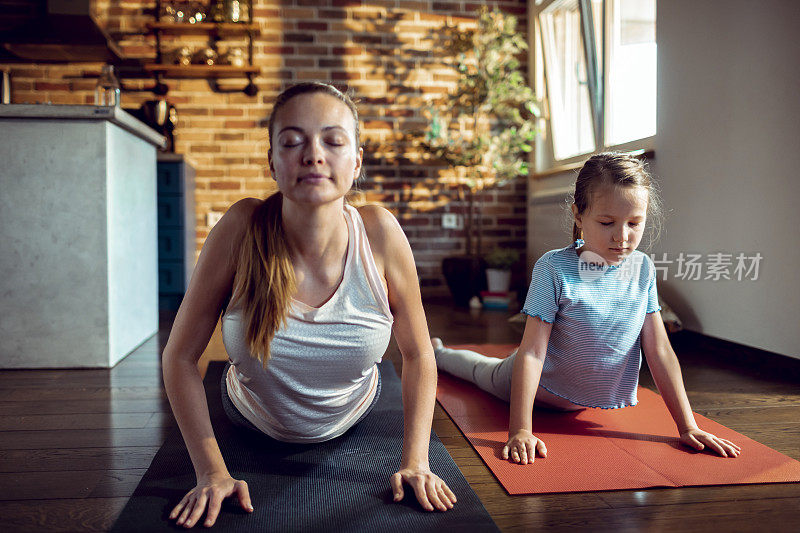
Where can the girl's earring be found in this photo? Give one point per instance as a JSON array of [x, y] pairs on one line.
[[580, 242]]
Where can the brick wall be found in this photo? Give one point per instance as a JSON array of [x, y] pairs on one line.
[[385, 51]]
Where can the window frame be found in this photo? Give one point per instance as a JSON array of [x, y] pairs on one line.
[[597, 79]]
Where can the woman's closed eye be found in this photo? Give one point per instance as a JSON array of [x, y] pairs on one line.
[[291, 142], [335, 142]]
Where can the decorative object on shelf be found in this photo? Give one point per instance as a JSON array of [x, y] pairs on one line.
[[234, 57], [197, 13], [162, 117], [236, 11], [106, 92], [182, 12], [206, 56], [217, 11], [493, 102], [183, 56], [167, 13], [223, 21]]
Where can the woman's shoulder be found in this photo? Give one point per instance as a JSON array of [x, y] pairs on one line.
[[379, 223], [234, 223], [244, 208]]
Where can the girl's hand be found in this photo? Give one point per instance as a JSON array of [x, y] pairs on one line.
[[432, 493], [523, 446], [699, 439], [209, 492]]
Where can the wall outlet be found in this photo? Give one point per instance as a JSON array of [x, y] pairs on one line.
[[212, 217], [452, 221]]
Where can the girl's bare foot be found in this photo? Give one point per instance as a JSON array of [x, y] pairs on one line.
[[437, 344]]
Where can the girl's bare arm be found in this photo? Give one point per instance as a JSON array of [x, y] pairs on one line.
[[666, 372], [522, 445]]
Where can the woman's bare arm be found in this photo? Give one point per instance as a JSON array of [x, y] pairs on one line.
[[393, 253], [209, 291]]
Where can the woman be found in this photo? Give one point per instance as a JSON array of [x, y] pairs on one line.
[[310, 289]]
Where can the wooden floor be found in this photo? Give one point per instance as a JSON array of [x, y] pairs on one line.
[[74, 443]]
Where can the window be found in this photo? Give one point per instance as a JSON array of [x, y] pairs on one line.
[[600, 71]]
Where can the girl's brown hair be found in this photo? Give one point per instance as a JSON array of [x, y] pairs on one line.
[[265, 282], [623, 170]]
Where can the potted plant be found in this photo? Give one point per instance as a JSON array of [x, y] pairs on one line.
[[483, 131], [498, 269]]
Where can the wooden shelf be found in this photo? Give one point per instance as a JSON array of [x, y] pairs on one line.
[[204, 27], [215, 32], [201, 71]]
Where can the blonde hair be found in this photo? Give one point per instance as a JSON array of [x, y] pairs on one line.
[[265, 280]]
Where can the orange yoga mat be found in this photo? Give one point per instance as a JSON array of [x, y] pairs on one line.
[[604, 449]]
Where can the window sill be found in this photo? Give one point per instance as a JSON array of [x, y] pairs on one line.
[[647, 155]]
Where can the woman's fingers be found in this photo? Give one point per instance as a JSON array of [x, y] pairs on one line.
[[187, 509], [178, 508], [397, 486], [450, 494], [433, 494], [443, 494], [419, 489], [242, 490], [214, 505], [504, 455], [199, 508]]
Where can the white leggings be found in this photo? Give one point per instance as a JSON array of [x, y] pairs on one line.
[[493, 375]]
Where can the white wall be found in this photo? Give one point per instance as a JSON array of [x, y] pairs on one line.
[[728, 161]]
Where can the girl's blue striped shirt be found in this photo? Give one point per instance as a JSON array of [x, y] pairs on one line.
[[594, 352]]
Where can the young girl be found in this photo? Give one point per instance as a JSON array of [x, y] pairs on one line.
[[310, 290], [592, 307]]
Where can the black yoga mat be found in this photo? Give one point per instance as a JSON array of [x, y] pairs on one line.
[[341, 485]]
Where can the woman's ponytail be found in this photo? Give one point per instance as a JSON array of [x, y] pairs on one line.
[[265, 281]]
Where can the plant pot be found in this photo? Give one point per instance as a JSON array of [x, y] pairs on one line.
[[498, 279], [464, 276]]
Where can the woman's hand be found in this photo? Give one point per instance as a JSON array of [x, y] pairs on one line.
[[432, 493], [699, 439], [209, 492], [522, 447]]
